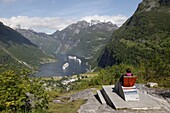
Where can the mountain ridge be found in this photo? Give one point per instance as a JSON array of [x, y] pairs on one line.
[[144, 35], [71, 39], [18, 50], [17, 38]]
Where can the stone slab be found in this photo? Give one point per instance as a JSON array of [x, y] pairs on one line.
[[101, 97], [114, 100]]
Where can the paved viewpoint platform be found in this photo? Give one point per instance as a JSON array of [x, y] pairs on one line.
[[114, 100]]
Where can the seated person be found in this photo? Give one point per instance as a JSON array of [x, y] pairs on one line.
[[128, 72]]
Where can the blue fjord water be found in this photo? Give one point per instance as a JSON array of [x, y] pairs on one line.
[[76, 66]]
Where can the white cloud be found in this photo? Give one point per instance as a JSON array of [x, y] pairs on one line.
[[46, 24], [118, 20], [51, 24]]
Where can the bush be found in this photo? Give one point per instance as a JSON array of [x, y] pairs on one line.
[[19, 93], [110, 75]]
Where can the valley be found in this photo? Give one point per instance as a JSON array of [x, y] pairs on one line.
[[81, 39], [90, 48]]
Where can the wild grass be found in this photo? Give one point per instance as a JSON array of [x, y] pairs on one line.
[[66, 106]]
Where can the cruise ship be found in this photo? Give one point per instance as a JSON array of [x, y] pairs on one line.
[[65, 65], [72, 57]]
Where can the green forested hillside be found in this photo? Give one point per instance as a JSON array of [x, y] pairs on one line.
[[92, 40], [143, 40], [17, 50]]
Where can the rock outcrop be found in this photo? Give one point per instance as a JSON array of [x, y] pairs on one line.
[[161, 96]]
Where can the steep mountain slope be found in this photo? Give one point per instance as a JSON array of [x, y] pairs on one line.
[[42, 40], [143, 37], [17, 50], [84, 39]]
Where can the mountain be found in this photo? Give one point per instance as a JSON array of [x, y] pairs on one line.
[[143, 38], [43, 41], [82, 38], [17, 50]]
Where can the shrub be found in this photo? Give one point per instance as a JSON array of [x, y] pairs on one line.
[[20, 93]]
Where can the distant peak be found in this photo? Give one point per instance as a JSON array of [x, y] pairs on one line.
[[93, 22], [109, 22], [1, 23], [98, 22], [82, 21], [78, 25]]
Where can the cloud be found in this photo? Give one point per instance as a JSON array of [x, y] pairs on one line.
[[118, 20], [51, 24]]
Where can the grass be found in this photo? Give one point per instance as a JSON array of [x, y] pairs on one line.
[[66, 106], [55, 78]]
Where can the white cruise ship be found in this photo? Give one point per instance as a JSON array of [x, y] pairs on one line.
[[65, 65]]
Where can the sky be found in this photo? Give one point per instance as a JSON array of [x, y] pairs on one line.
[[51, 15]]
